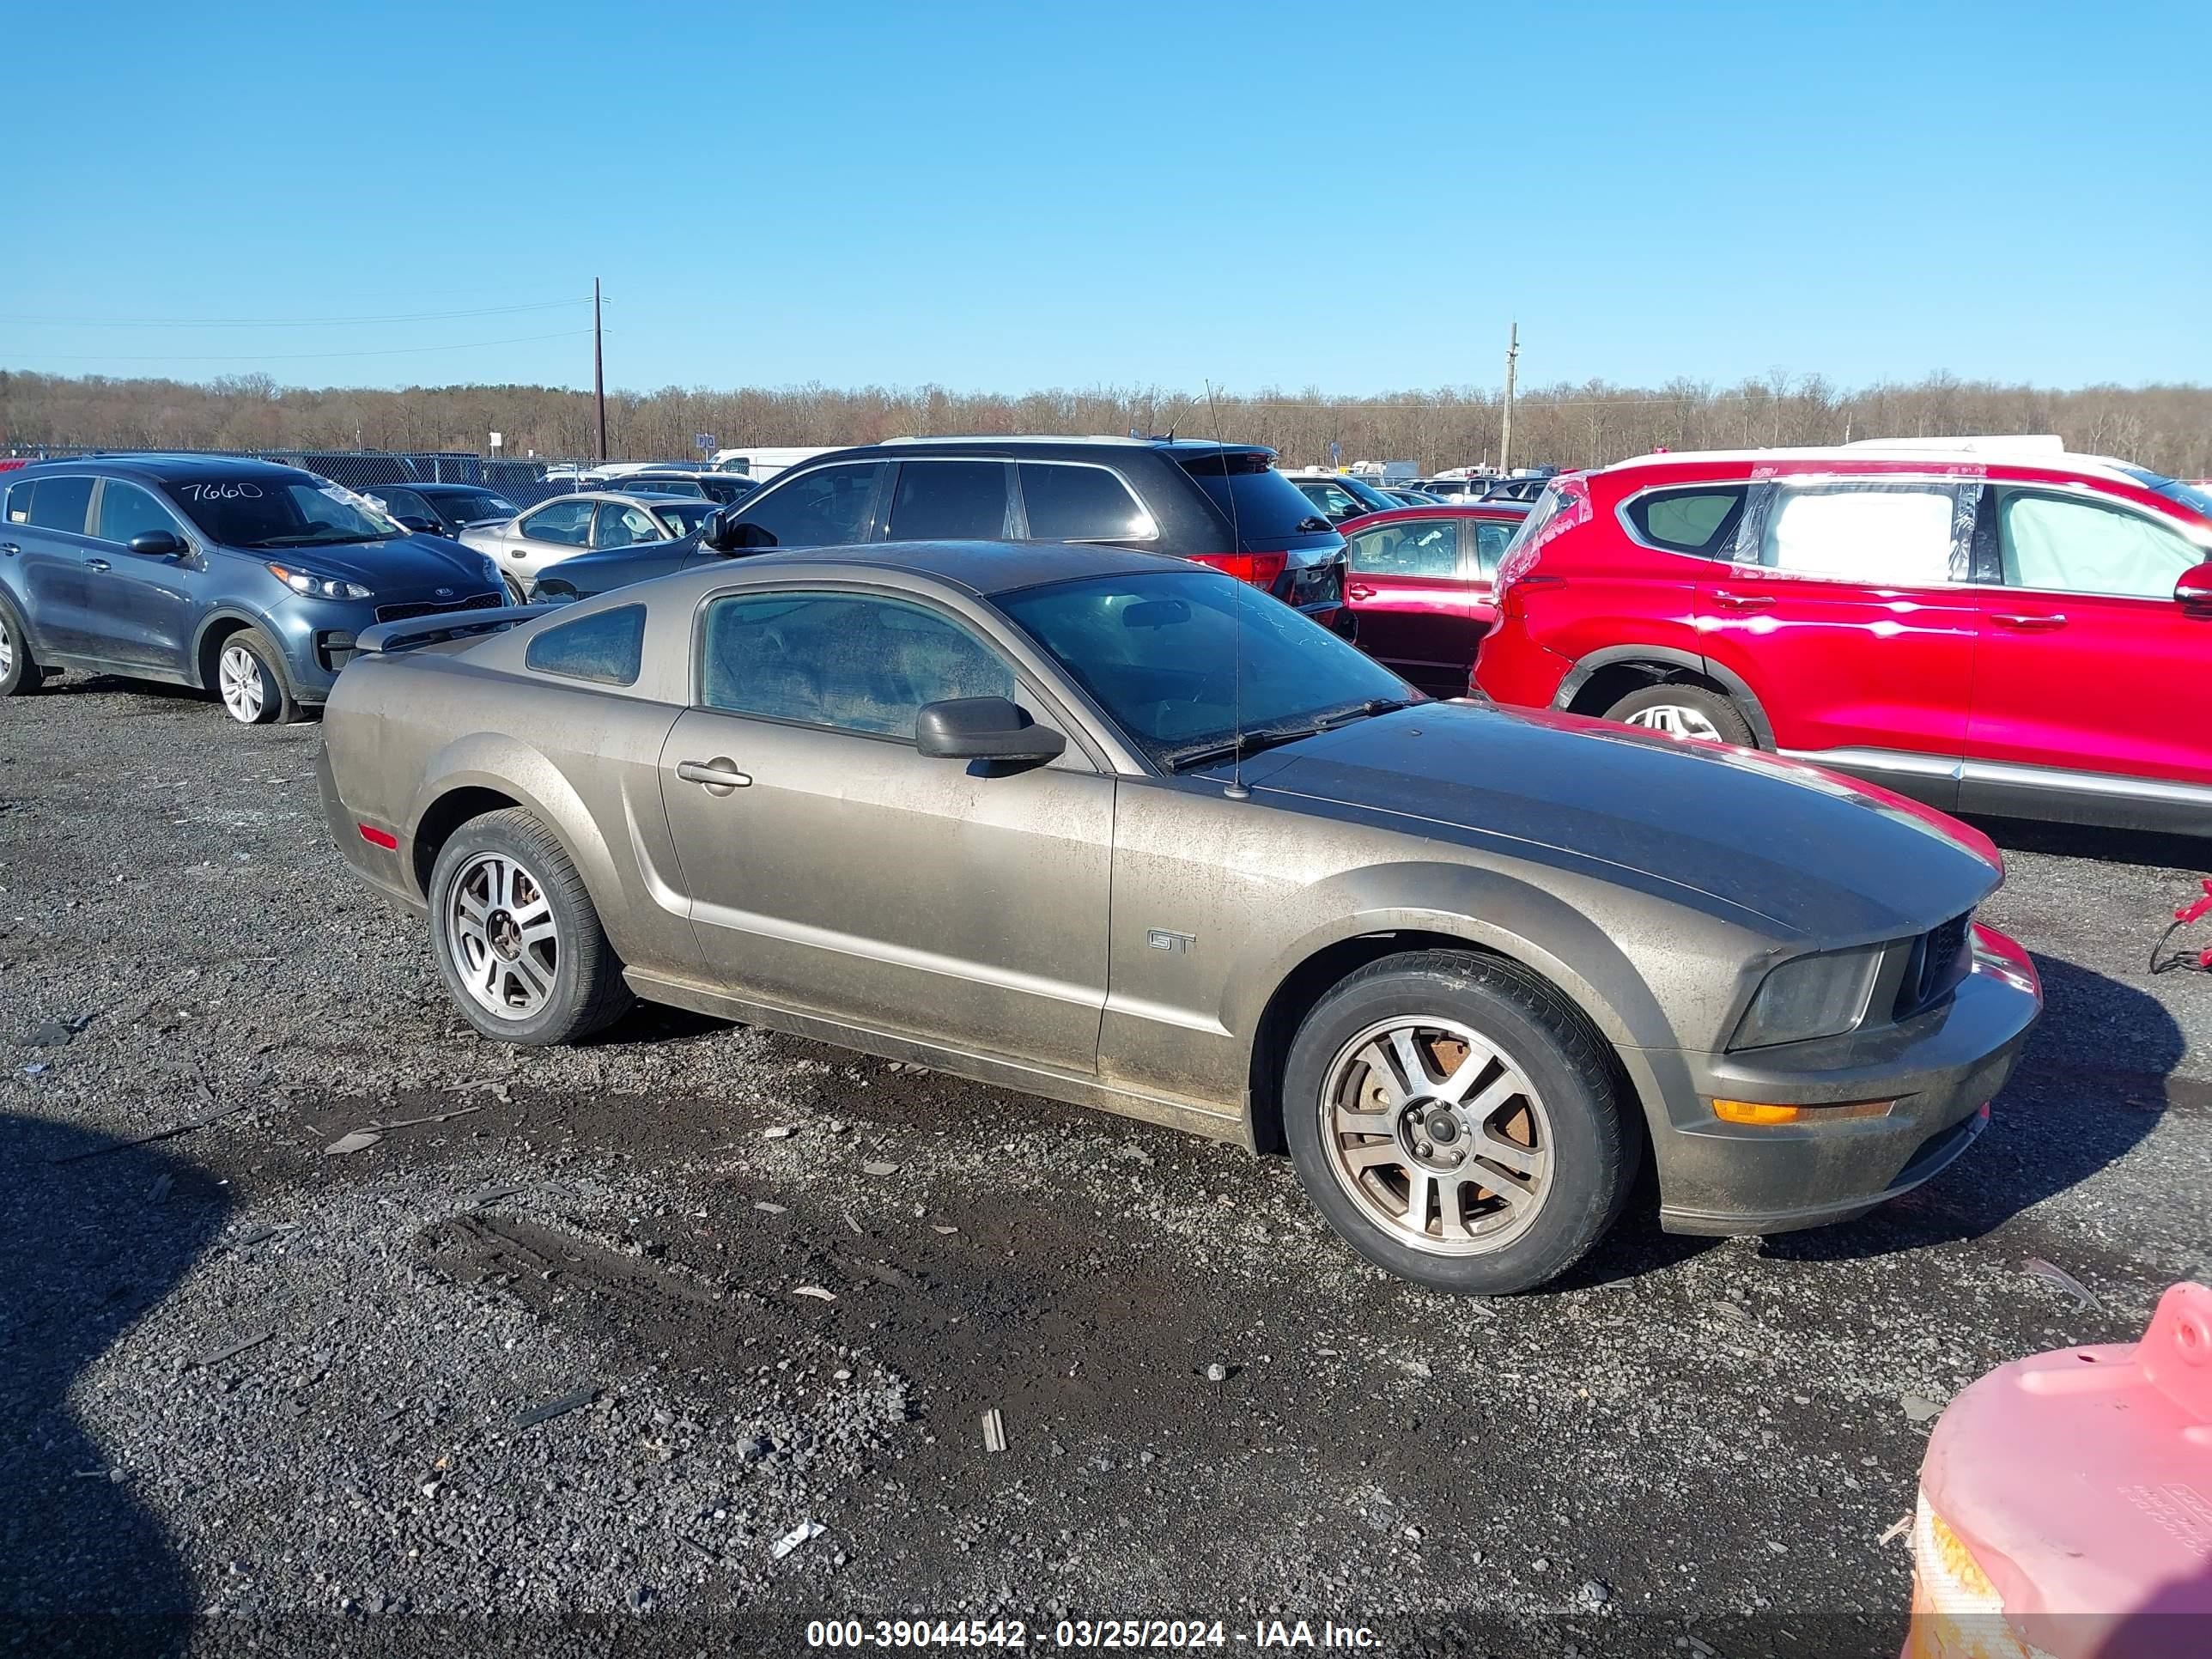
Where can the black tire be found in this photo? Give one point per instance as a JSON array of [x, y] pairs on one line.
[[1717, 711], [278, 706], [1593, 1147], [20, 672], [587, 989], [514, 593]]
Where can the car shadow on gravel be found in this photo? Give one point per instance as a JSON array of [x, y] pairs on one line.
[[91, 1239], [2077, 841], [2091, 1083], [157, 692]]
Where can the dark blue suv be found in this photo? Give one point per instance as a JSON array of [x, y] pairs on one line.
[[241, 578]]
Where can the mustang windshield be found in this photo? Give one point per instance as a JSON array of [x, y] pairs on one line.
[[268, 511], [1188, 662]]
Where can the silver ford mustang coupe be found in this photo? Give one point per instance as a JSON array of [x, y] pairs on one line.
[[1118, 830]]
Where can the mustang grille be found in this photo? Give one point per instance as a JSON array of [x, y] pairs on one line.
[[402, 612], [1940, 958]]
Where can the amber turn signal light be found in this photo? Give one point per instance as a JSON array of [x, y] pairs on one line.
[[1760, 1112]]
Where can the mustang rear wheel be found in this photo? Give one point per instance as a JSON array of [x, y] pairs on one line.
[[516, 939], [1457, 1123]]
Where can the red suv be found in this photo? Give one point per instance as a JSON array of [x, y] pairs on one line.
[[1989, 625], [1419, 584]]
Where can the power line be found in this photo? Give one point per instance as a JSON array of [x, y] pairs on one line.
[[305, 357], [280, 322]]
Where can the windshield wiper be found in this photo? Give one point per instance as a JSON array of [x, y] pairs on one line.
[[1251, 743], [311, 540], [1367, 710]]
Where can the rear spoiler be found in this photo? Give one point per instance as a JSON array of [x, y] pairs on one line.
[[444, 625]]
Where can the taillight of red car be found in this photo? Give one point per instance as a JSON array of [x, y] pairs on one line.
[[1261, 569]]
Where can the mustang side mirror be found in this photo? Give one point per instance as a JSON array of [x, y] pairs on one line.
[[157, 543], [2195, 587], [982, 728]]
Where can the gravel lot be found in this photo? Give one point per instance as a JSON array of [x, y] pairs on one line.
[[244, 1377]]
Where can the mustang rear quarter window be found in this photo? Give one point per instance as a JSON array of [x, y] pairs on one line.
[[607, 648]]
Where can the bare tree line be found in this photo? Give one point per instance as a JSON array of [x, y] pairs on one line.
[[2167, 427]]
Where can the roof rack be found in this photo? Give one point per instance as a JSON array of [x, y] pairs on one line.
[[2017, 443]]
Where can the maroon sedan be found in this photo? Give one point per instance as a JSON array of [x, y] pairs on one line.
[[1421, 585]]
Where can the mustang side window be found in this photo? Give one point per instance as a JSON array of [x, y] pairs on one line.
[[847, 660], [607, 648]]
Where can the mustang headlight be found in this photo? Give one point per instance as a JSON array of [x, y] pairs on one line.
[[319, 587], [1815, 996]]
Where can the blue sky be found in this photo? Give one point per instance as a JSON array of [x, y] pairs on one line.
[[1357, 197]]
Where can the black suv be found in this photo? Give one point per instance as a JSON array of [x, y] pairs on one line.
[[1220, 504]]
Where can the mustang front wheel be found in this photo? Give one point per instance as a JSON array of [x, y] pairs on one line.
[[516, 939], [1457, 1123]]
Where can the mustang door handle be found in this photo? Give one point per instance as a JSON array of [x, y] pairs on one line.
[[98, 564], [1360, 591], [2032, 621], [1742, 601], [719, 774], [9, 548]]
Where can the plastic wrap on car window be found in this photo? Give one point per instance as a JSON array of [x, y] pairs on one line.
[[1966, 507]]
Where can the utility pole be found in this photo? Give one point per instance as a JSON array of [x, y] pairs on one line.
[[1505, 438], [598, 372]]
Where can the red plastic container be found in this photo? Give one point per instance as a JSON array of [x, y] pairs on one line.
[[2066, 1504]]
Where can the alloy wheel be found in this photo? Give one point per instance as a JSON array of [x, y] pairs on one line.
[[1676, 720], [501, 933], [240, 678], [1437, 1135], [7, 649]]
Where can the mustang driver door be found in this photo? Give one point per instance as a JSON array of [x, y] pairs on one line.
[[832, 869]]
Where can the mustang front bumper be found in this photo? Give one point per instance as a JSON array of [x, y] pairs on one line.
[[1939, 1069]]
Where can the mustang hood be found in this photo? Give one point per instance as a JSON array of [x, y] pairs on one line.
[[1818, 852]]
